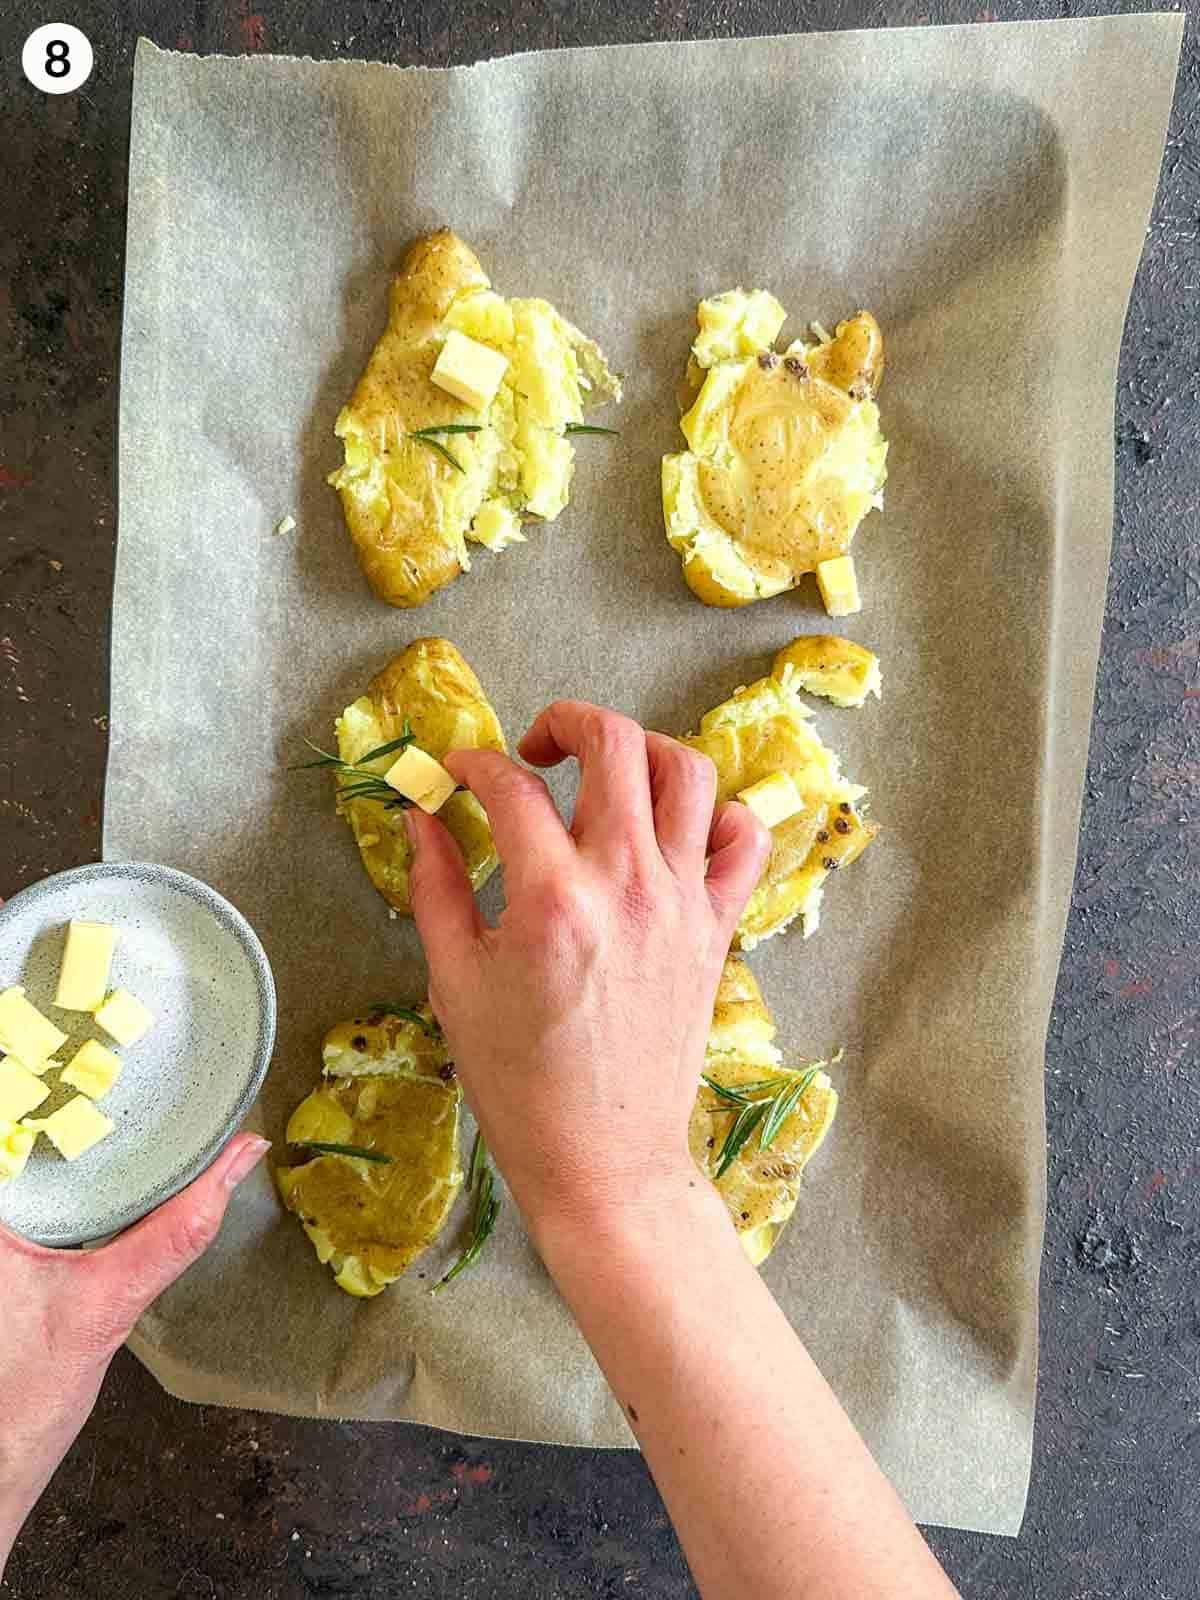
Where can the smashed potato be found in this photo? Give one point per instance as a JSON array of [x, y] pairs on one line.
[[432, 691], [760, 730], [839, 669], [389, 1092], [413, 494], [760, 1188], [784, 458]]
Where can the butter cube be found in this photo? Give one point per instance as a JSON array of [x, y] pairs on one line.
[[838, 584], [468, 370], [74, 1128], [15, 1145], [83, 978], [25, 1032], [20, 1091], [773, 799], [496, 526], [124, 1017], [421, 779], [93, 1070]]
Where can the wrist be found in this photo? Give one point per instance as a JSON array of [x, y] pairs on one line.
[[643, 1228]]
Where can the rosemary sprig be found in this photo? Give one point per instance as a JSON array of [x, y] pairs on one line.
[[356, 1150], [588, 427], [356, 781], [429, 437], [484, 1212], [766, 1115], [409, 1015]]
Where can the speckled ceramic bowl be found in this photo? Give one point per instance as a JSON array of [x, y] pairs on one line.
[[198, 964]]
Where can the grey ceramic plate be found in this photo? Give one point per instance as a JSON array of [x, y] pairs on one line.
[[198, 964]]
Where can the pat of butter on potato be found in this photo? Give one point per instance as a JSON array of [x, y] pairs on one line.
[[838, 583], [421, 779], [124, 1018], [470, 371], [25, 1032], [74, 1128], [15, 1145], [93, 1070], [83, 978], [773, 799], [21, 1091]]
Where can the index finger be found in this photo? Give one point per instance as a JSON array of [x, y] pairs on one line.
[[525, 824], [614, 769]]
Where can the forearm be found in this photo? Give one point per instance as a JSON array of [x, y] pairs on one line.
[[35, 1440], [769, 1486]]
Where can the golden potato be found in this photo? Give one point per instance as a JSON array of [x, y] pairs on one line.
[[785, 457], [385, 1044], [390, 1091], [760, 730], [838, 669], [760, 1188], [430, 689], [413, 495]]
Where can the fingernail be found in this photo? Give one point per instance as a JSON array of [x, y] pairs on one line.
[[410, 825], [245, 1161]]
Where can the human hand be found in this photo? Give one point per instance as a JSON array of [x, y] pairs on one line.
[[578, 1023], [66, 1312]]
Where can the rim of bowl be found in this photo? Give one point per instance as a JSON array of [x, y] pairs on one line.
[[232, 920]]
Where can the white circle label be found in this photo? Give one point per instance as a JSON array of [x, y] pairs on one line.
[[57, 58]]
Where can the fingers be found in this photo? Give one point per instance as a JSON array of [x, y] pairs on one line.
[[443, 901], [527, 828], [683, 788], [614, 776], [147, 1259], [738, 847]]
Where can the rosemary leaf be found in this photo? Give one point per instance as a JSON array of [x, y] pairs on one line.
[[783, 1106], [744, 1124], [320, 1148], [324, 759], [435, 444], [429, 437], [483, 1213], [479, 1155], [734, 1096], [587, 427], [402, 743]]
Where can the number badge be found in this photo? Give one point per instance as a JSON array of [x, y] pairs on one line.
[[57, 58]]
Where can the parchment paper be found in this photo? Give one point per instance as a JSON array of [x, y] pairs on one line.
[[985, 191]]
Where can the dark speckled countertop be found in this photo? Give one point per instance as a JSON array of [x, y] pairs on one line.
[[158, 1499]]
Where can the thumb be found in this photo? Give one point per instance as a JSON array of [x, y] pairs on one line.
[[443, 901], [738, 847], [147, 1259]]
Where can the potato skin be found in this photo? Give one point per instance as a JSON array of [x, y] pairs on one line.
[[841, 670], [430, 686], [853, 360]]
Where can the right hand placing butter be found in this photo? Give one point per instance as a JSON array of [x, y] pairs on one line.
[[578, 1022]]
